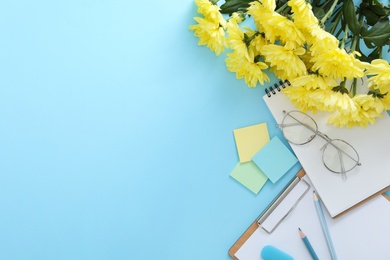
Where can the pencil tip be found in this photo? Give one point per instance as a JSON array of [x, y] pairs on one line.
[[315, 195], [301, 234], [299, 229]]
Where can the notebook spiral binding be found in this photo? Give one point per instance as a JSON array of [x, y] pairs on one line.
[[276, 86]]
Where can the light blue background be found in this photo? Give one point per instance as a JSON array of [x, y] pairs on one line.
[[116, 134]]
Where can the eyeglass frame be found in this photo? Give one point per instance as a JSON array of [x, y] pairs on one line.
[[326, 138]]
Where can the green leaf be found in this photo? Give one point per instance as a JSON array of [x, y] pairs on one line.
[[318, 12], [371, 17], [375, 54], [350, 17], [368, 43], [378, 35], [231, 6], [378, 8], [376, 93]]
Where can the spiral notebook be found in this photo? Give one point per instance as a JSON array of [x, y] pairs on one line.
[[372, 144]]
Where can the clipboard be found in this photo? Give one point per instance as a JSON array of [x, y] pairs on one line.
[[268, 211], [256, 224]]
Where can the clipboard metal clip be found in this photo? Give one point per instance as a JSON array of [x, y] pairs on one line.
[[283, 204]]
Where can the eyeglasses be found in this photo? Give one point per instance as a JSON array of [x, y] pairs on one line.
[[338, 156]]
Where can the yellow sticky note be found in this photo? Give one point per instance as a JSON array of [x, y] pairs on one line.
[[250, 139]]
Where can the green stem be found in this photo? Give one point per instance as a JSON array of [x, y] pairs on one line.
[[247, 40], [356, 38], [354, 83], [344, 40], [354, 42], [337, 34], [329, 13], [281, 9], [337, 19]]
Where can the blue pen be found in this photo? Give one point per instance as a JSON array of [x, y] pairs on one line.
[[324, 226], [308, 245]]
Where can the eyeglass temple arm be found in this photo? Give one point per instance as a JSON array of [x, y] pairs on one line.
[[292, 124], [343, 172]]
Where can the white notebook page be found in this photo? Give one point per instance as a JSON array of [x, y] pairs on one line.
[[372, 143], [361, 233]]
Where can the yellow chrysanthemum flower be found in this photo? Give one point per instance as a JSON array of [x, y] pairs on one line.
[[210, 29], [386, 101], [346, 120], [257, 10], [306, 58], [320, 40], [298, 96], [276, 27], [235, 38], [342, 102], [204, 6], [319, 99], [302, 98], [308, 24], [303, 15], [257, 43], [210, 11], [337, 101], [369, 103], [378, 66], [324, 99], [245, 67], [269, 4], [368, 108], [380, 69], [338, 64], [239, 18], [262, 6], [284, 60], [319, 35], [210, 34], [314, 81]]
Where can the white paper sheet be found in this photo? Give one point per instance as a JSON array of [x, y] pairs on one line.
[[361, 233]]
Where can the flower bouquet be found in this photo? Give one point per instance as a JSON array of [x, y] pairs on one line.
[[324, 48]]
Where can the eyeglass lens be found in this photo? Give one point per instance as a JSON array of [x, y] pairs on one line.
[[339, 156], [298, 128]]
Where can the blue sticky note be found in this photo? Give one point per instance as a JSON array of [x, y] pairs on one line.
[[274, 159]]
